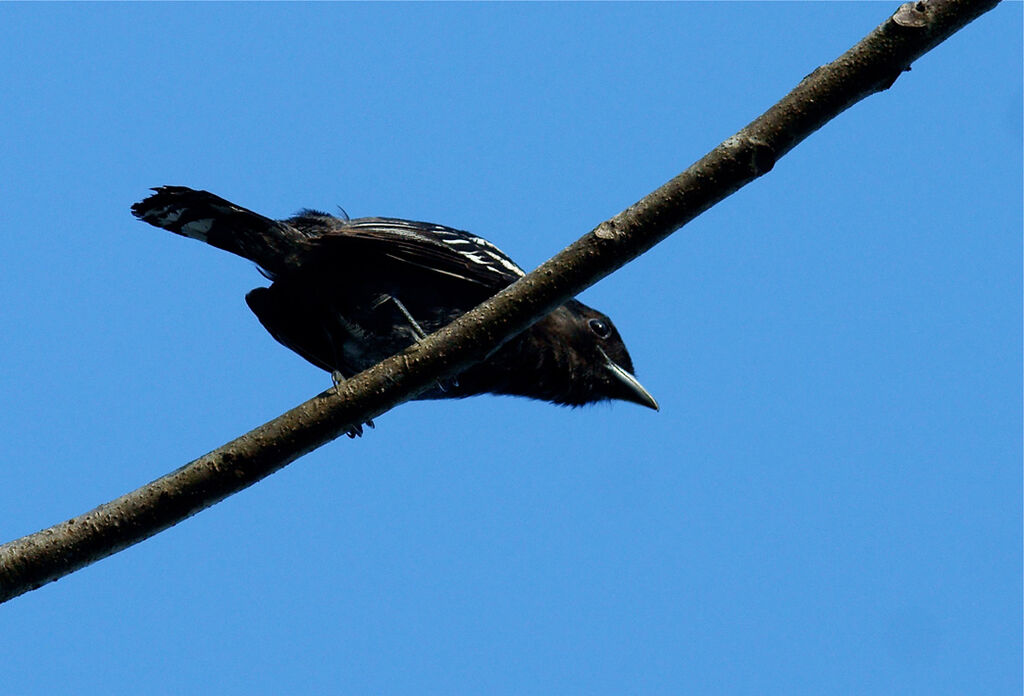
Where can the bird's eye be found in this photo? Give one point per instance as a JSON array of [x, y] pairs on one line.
[[600, 327]]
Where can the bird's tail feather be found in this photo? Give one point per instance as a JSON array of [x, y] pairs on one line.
[[201, 215]]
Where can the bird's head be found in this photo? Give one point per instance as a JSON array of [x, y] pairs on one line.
[[592, 354]]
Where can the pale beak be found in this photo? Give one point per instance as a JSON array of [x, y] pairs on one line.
[[636, 391]]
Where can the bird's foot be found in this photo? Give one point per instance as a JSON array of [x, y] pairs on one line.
[[355, 430]]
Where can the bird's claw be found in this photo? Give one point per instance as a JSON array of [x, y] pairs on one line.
[[356, 430]]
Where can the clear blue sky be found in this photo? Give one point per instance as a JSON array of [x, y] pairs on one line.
[[828, 502]]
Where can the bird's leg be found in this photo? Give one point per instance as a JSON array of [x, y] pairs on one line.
[[355, 430], [417, 331]]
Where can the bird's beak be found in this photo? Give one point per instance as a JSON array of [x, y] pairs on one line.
[[635, 391]]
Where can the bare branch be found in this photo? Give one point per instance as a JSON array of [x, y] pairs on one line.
[[870, 66]]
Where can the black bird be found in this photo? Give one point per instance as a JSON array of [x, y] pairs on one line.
[[346, 294]]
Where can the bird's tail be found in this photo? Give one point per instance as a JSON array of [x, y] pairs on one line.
[[271, 244]]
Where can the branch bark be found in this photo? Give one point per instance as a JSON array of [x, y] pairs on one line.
[[871, 66]]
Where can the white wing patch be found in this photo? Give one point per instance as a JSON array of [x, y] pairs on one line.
[[468, 246], [486, 254]]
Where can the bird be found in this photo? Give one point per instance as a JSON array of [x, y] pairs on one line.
[[347, 293]]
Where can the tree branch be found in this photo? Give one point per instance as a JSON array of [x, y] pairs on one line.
[[870, 66]]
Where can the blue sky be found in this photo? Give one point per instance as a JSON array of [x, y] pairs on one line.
[[828, 502]]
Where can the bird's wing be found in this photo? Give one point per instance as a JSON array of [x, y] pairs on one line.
[[434, 248]]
